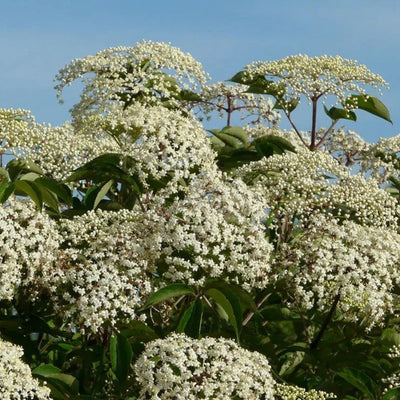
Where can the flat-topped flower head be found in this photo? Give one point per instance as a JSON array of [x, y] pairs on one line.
[[100, 277], [16, 381], [58, 150], [332, 258], [181, 368], [316, 77], [215, 231], [145, 72], [28, 246]]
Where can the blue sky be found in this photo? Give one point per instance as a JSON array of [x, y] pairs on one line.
[[38, 37]]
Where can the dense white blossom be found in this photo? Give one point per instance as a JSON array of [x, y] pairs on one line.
[[101, 275], [289, 392], [28, 246], [182, 368], [332, 258], [16, 381], [308, 181], [314, 77], [382, 159], [121, 75], [215, 231], [162, 143], [57, 150]]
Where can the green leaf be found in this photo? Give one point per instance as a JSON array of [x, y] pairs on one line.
[[389, 338], [121, 356], [289, 106], [393, 394], [193, 325], [269, 145], [60, 384], [229, 308], [18, 166], [3, 187], [339, 113], [30, 189], [228, 140], [241, 77], [102, 192], [168, 292], [263, 86], [138, 331], [185, 318], [62, 191], [292, 360], [370, 104], [231, 289], [237, 132], [360, 381]]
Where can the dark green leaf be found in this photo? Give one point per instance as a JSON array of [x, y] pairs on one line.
[[18, 166], [393, 394], [370, 104], [230, 309], [237, 132], [229, 140], [168, 292], [339, 113], [241, 77], [185, 318], [360, 381], [59, 189], [121, 356], [193, 325], [270, 144], [30, 189]]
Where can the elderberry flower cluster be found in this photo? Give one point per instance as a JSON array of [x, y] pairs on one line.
[[348, 147], [29, 243], [316, 77], [163, 143], [302, 182], [289, 392], [101, 275], [122, 75], [382, 159], [57, 150], [356, 265], [215, 231], [16, 381], [182, 368]]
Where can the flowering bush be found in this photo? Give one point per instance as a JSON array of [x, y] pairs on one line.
[[143, 257]]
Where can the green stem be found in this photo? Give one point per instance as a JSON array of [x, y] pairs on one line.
[[324, 326]]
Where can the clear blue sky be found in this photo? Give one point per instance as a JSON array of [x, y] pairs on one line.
[[38, 37]]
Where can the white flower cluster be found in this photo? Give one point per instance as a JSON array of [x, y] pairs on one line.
[[182, 368], [306, 181], [382, 159], [216, 230], [16, 381], [101, 275], [346, 146], [57, 150], [314, 77], [330, 258], [288, 392], [163, 143], [145, 72], [29, 243], [222, 97]]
